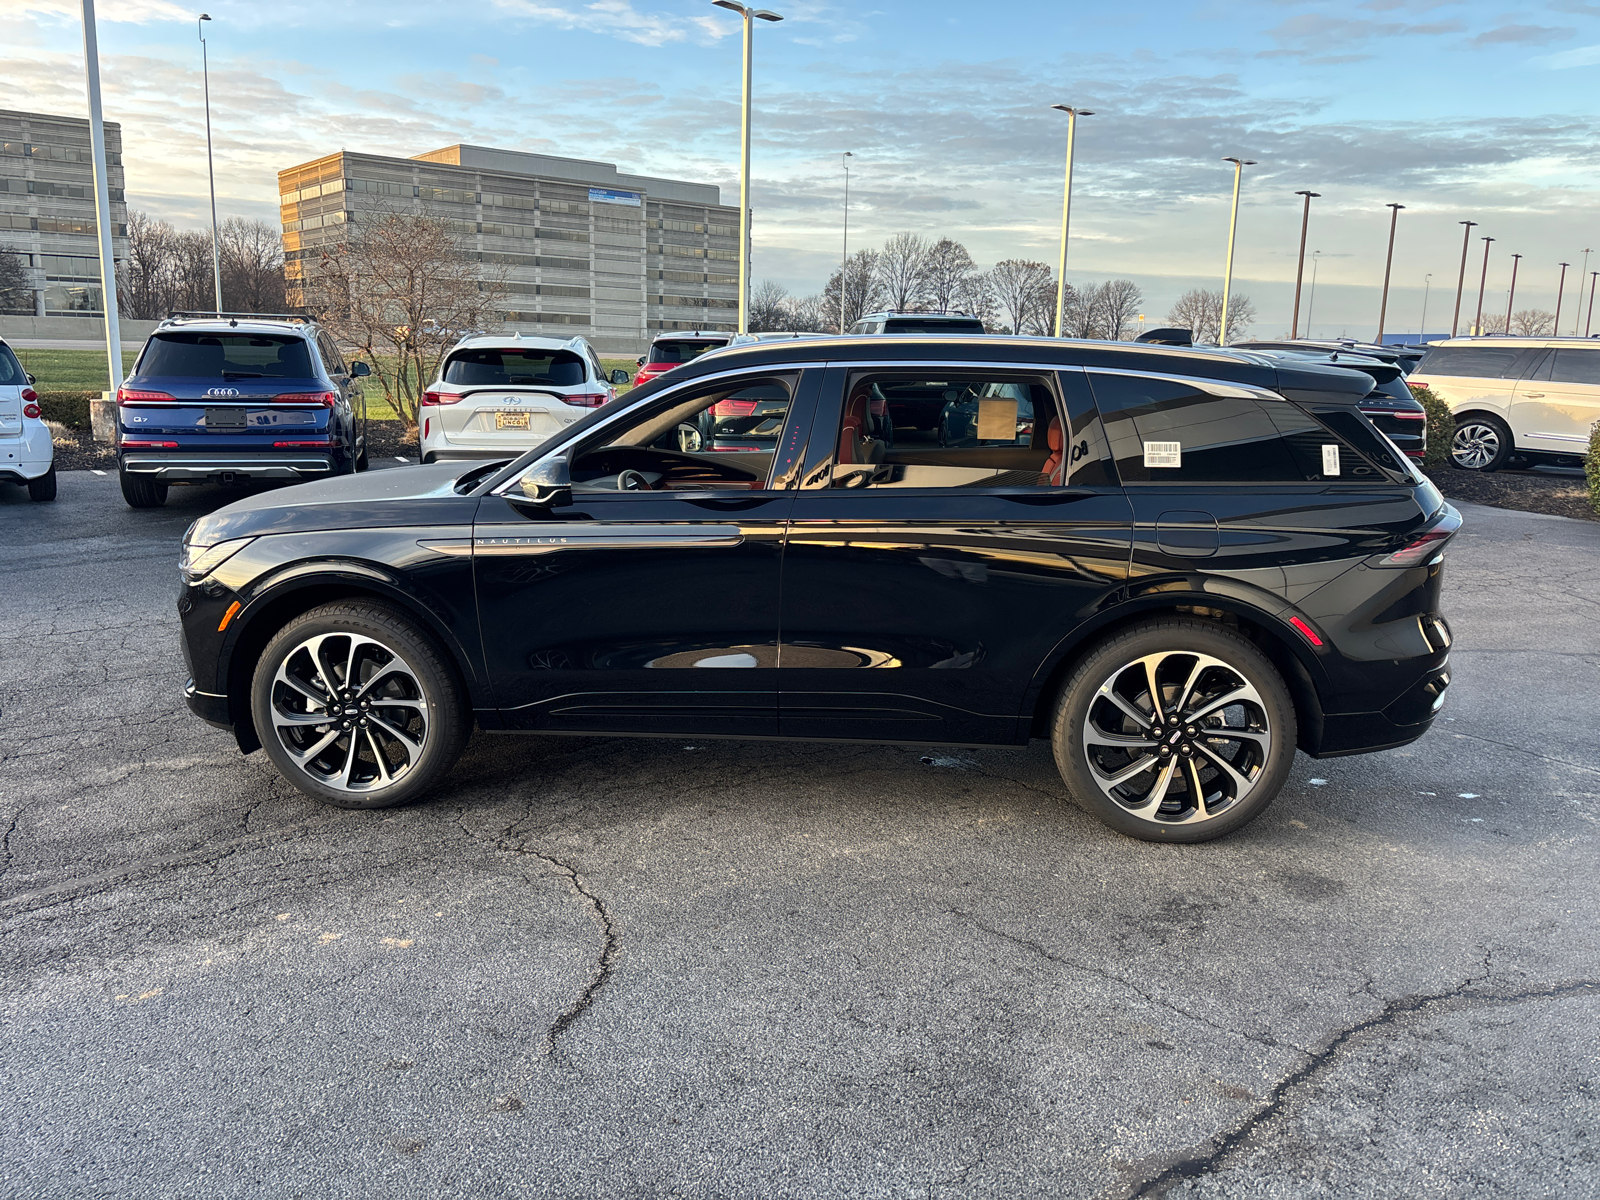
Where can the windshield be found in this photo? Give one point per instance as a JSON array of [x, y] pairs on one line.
[[558, 368], [941, 325], [227, 356], [679, 352]]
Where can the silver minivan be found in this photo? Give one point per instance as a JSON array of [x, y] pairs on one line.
[[27, 453]]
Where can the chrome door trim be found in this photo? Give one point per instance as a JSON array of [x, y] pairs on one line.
[[600, 536]]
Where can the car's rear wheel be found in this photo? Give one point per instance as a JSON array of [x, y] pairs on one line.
[[44, 487], [1175, 731], [357, 706], [1481, 443], [140, 492]]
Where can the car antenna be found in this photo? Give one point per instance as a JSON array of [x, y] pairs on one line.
[[234, 322]]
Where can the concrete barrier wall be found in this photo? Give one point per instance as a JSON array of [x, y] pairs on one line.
[[71, 329]]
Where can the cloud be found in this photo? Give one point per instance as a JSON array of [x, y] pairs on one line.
[[619, 19], [1531, 35], [132, 12], [1322, 39], [1579, 56]]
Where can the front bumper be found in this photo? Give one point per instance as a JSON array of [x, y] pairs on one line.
[[197, 468], [209, 707]]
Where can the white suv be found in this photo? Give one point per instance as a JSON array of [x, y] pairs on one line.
[[1535, 398], [27, 453], [501, 394]]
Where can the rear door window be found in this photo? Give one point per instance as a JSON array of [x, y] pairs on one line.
[[513, 367], [1479, 362], [1575, 366], [678, 351], [197, 355]]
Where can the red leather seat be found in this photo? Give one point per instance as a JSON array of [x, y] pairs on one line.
[[856, 443], [1055, 466]]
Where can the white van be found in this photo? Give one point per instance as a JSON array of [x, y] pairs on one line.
[[27, 453], [1535, 398]]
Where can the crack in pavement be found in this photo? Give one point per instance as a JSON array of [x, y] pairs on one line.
[[1478, 737], [1207, 1159]]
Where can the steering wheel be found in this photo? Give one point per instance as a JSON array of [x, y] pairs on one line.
[[632, 481]]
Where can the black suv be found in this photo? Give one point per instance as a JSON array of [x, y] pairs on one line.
[[893, 321], [235, 397], [1390, 406], [1182, 565]]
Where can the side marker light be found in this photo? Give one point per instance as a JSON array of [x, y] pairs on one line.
[[1306, 631]]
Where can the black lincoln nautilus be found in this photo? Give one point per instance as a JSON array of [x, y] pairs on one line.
[[1175, 564]]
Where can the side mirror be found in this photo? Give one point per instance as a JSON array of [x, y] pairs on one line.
[[619, 376], [548, 484], [639, 362], [31, 380], [359, 370]]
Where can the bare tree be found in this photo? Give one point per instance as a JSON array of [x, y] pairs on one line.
[[947, 275], [144, 276], [1120, 302], [806, 314], [903, 270], [1200, 311], [769, 307], [976, 296], [252, 266], [1080, 312], [1533, 322], [853, 290], [400, 292], [1020, 288], [16, 292]]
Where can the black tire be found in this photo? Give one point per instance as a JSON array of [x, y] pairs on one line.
[[1260, 764], [406, 660], [427, 459], [361, 459], [1481, 442], [142, 493], [44, 487]]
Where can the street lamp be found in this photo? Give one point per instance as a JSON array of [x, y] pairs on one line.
[[1477, 323], [1239, 164], [1427, 283], [102, 194], [1561, 289], [1066, 205], [1311, 303], [844, 261], [1582, 271], [1383, 308], [1511, 296], [1589, 320], [749, 14], [1300, 266], [1461, 280], [211, 175]]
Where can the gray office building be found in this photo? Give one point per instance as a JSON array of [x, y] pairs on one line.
[[47, 210], [585, 250]]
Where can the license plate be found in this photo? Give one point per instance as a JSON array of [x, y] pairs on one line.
[[511, 420], [225, 418]]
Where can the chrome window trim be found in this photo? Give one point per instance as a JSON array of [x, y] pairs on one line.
[[1214, 387]]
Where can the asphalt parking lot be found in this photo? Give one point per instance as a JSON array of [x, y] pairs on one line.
[[629, 967]]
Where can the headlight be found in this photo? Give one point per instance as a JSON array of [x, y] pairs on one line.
[[197, 562]]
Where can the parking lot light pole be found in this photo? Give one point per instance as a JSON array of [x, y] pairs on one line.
[[844, 260], [1589, 320], [102, 195], [749, 15], [211, 174], [1582, 271], [1388, 262], [1311, 302], [1427, 283], [1561, 290], [1477, 323], [1511, 296], [1300, 266], [1066, 205], [1239, 164], [1461, 279]]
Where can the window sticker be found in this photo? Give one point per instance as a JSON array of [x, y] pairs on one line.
[[1163, 454], [997, 420], [1330, 460]]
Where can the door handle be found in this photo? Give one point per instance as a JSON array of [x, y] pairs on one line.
[[1533, 395]]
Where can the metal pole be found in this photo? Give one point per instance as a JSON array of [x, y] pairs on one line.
[[1583, 270], [1311, 303], [102, 195], [1300, 266], [1477, 322], [1589, 320], [744, 183], [1388, 262], [211, 175], [1461, 280], [1511, 296], [1066, 206], [1233, 225], [1427, 283], [1561, 288], [844, 260]]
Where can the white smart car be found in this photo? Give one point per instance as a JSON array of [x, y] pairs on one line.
[[27, 453], [501, 394]]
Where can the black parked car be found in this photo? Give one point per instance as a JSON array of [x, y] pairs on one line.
[[1185, 565], [235, 397], [1390, 406]]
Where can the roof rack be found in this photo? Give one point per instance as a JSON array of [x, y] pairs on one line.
[[916, 312], [199, 315]]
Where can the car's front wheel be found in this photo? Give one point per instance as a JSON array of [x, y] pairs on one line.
[[357, 706], [1481, 443], [1175, 731]]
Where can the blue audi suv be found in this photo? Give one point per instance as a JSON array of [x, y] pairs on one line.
[[231, 398]]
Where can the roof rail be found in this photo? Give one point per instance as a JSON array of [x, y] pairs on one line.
[[201, 315]]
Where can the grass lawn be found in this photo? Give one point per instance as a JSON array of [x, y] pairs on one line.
[[85, 371]]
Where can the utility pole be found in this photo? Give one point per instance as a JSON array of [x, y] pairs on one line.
[[1582, 271], [1477, 323], [1461, 280], [1239, 164], [1383, 309], [1427, 285], [1066, 205], [102, 195], [1300, 266], [211, 174], [1589, 320]]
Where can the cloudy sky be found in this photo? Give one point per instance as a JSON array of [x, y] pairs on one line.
[[1476, 110]]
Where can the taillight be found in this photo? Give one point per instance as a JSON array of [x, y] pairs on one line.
[[440, 397], [127, 395], [326, 399], [30, 403], [1424, 545], [585, 399], [140, 444], [734, 408], [320, 443]]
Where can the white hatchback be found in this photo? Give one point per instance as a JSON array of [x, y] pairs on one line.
[[27, 453], [497, 396]]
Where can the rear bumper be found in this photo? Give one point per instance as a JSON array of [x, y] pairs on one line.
[[1402, 722], [195, 468], [454, 453]]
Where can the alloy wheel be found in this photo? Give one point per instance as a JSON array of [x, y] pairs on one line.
[[1474, 445], [1177, 737], [349, 712]]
